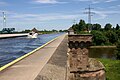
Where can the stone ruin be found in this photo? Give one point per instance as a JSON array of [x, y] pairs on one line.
[[79, 65], [70, 31]]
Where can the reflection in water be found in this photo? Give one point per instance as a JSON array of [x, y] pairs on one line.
[[102, 53]]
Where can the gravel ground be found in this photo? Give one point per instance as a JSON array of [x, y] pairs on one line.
[[55, 69]]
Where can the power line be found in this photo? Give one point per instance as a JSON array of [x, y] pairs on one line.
[[90, 14], [74, 21]]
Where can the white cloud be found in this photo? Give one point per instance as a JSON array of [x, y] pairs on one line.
[[42, 17], [92, 1], [97, 1], [3, 3], [38, 18], [16, 19], [104, 14], [48, 1], [110, 0], [112, 12], [118, 5], [101, 14]]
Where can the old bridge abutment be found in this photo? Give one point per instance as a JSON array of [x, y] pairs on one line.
[[79, 65]]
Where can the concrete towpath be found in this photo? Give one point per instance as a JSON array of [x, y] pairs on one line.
[[55, 69], [29, 68]]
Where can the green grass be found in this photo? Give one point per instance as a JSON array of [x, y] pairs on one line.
[[112, 68]]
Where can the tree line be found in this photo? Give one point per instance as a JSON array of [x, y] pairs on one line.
[[45, 31], [12, 31], [106, 35]]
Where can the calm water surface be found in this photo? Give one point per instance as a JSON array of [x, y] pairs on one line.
[[102, 53], [12, 48]]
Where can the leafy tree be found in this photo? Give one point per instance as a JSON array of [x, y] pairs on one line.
[[101, 36], [88, 26], [75, 28], [60, 30], [112, 36], [54, 30], [63, 31], [117, 27], [96, 27], [26, 31], [98, 37], [108, 27], [79, 27], [118, 50], [113, 29], [82, 25], [118, 33]]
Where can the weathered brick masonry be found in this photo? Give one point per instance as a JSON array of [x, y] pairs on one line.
[[80, 66]]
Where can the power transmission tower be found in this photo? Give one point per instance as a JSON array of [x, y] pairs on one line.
[[90, 14], [4, 19], [74, 21]]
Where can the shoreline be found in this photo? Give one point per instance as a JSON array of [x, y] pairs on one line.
[[4, 36], [103, 47]]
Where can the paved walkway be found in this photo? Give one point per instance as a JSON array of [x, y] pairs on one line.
[[55, 69], [29, 68]]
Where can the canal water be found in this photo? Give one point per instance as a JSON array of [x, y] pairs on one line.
[[13, 48], [106, 53]]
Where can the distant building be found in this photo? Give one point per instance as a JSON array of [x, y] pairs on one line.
[[70, 31]]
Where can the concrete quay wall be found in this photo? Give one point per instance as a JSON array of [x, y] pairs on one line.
[[28, 66], [2, 36]]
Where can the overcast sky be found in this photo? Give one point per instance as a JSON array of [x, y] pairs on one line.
[[57, 14]]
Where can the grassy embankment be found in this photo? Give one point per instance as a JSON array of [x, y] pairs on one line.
[[112, 68]]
